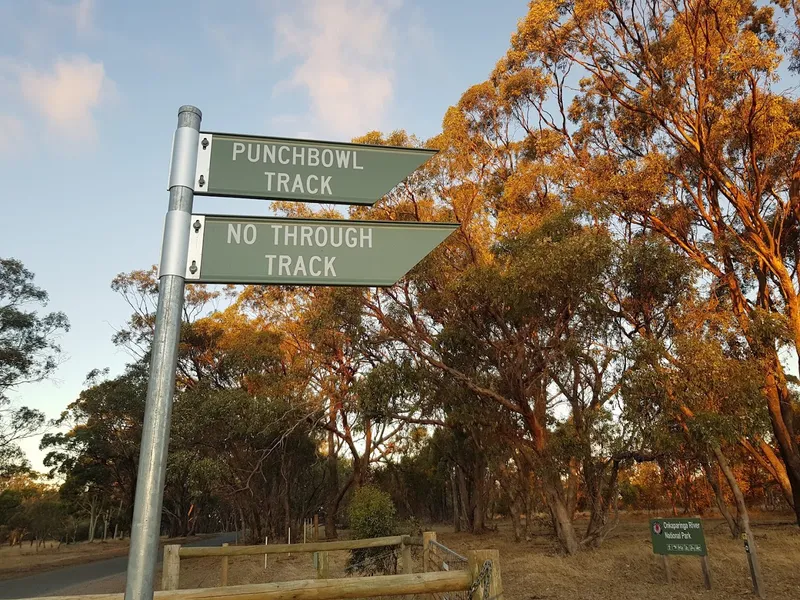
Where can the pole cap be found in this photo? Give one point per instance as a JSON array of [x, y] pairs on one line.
[[190, 109]]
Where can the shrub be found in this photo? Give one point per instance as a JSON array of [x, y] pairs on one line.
[[372, 514]]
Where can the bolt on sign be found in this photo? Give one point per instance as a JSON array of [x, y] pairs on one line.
[[678, 536], [308, 171], [267, 250]]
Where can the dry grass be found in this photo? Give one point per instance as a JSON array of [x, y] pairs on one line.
[[20, 561], [624, 568]]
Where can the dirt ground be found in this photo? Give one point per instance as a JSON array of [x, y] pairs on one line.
[[20, 561], [624, 568]]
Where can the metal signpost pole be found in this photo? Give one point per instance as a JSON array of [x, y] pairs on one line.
[[155, 433]]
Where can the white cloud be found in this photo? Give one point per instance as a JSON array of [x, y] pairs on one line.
[[67, 95], [12, 134], [84, 10], [346, 53]]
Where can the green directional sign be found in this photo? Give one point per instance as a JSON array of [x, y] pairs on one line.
[[264, 250], [308, 171], [678, 536]]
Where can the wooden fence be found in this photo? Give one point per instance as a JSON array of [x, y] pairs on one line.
[[170, 577], [316, 589], [428, 583]]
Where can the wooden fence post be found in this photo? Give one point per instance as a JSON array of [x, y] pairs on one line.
[[667, 570], [475, 560], [405, 549], [322, 565], [171, 568], [316, 527], [706, 571], [224, 574], [427, 538]]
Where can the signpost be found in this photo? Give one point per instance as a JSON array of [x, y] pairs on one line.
[[146, 525], [304, 170], [683, 537], [251, 250], [256, 250]]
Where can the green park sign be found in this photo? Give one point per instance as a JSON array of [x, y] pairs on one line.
[[678, 536], [266, 250], [301, 170]]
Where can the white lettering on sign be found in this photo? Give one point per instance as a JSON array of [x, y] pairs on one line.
[[235, 233], [294, 266], [313, 236], [314, 273], [342, 159], [304, 156], [310, 184], [321, 236]]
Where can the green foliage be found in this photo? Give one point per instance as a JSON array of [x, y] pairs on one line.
[[28, 348], [28, 352], [372, 514]]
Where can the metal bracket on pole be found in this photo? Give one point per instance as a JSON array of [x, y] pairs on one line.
[[175, 244], [205, 141], [184, 157], [195, 260]]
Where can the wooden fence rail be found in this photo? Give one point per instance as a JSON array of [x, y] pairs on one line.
[[170, 573], [317, 589], [197, 551]]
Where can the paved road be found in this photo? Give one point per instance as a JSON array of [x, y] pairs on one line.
[[58, 579]]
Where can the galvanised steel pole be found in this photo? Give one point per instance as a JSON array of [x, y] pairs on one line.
[[160, 388]]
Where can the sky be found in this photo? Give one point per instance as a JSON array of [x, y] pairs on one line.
[[89, 93]]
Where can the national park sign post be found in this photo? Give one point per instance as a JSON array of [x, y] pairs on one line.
[[683, 537], [259, 250]]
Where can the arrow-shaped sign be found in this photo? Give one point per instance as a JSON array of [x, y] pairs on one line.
[[265, 250], [309, 171]]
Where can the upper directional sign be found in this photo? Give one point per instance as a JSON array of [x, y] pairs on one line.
[[287, 169], [265, 250]]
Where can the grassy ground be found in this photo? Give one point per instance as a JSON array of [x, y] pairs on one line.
[[624, 568], [20, 561]]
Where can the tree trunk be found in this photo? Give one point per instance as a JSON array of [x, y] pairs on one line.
[[464, 498], [92, 518], [332, 506], [743, 517], [106, 518], [602, 493], [479, 497], [454, 492], [713, 480], [779, 403], [779, 470], [572, 487], [559, 513], [766, 457], [516, 511]]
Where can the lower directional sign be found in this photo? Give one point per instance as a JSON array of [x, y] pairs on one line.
[[252, 250]]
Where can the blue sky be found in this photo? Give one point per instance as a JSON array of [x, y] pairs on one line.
[[89, 91]]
